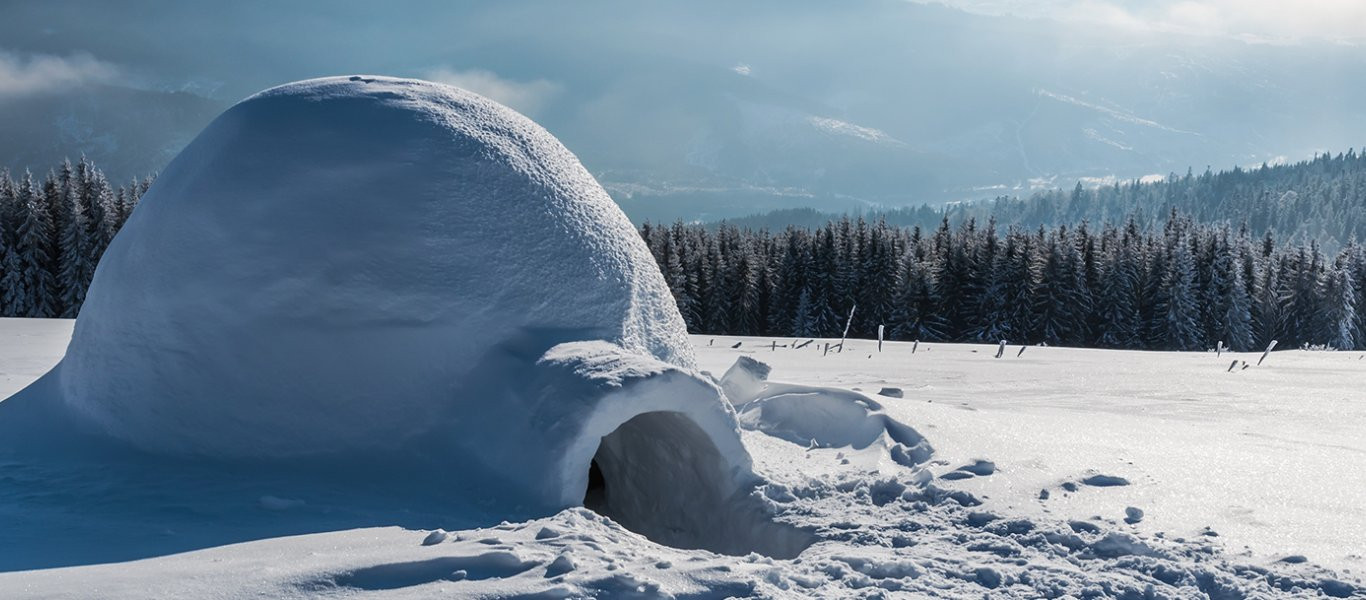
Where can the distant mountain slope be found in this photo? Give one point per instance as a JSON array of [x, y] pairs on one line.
[[127, 132], [1321, 200]]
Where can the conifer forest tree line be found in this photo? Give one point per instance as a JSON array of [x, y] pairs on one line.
[[1177, 282], [53, 230], [1180, 286]]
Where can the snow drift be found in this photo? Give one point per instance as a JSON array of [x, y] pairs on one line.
[[816, 416], [386, 272]]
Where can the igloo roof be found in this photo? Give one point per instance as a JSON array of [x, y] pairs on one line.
[[347, 264]]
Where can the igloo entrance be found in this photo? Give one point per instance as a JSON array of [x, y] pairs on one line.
[[660, 475]]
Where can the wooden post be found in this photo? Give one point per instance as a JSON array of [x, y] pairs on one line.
[[1269, 348], [846, 326]]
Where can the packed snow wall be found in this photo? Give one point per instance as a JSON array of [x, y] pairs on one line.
[[377, 271]]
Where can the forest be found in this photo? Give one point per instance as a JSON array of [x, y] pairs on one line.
[[53, 231], [1180, 286], [1090, 268]]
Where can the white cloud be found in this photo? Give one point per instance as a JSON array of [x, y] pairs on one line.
[[38, 73], [526, 97], [1251, 20]]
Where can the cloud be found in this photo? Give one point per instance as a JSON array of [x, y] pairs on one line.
[[526, 97], [1277, 21], [38, 73]]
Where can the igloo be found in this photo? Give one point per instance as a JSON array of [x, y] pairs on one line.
[[393, 272]]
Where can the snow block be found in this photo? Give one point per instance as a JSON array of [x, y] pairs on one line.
[[745, 380]]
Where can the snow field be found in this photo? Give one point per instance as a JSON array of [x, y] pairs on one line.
[[970, 524], [1259, 456]]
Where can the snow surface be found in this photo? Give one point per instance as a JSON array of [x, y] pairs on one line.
[[1262, 457], [1268, 457]]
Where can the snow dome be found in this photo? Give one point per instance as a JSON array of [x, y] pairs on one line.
[[401, 271]]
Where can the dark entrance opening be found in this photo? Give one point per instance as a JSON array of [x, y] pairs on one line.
[[660, 475]]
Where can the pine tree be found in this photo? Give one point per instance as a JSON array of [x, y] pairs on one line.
[[76, 248], [13, 294], [1060, 302], [1179, 313], [1339, 309], [33, 239], [916, 315], [1119, 322]]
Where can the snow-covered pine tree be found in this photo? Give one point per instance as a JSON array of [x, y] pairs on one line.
[[916, 316], [33, 238], [1119, 324], [1060, 301], [1230, 310], [12, 293], [880, 277], [745, 267], [1177, 305], [77, 246], [990, 315], [97, 201], [1340, 324], [820, 284]]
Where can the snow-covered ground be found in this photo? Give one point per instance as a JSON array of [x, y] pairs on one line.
[[1270, 458], [1247, 484]]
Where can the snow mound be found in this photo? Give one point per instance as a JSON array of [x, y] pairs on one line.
[[366, 272], [329, 265], [818, 416]]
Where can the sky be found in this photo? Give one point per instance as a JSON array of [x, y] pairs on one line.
[[1271, 21], [709, 107]]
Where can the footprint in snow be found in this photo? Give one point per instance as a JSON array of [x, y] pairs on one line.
[[1105, 481], [978, 468]]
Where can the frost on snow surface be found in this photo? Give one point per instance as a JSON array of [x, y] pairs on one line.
[[370, 337]]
